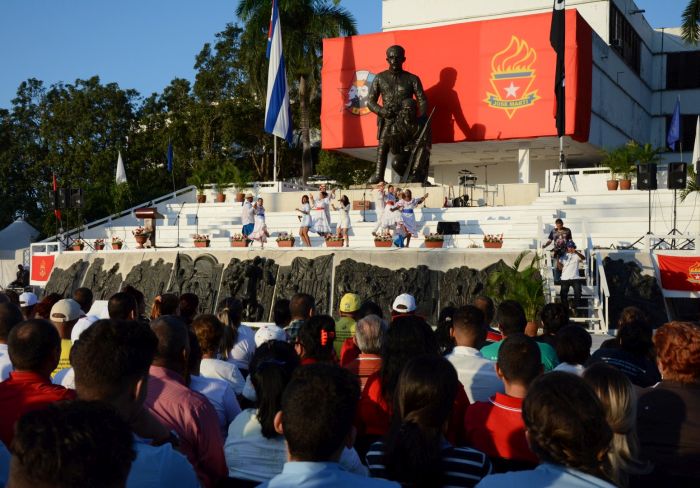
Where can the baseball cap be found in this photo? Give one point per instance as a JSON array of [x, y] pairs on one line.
[[269, 333], [65, 310], [404, 303], [350, 302], [27, 299], [571, 244]]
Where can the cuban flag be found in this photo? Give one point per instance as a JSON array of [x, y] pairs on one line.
[[278, 115]]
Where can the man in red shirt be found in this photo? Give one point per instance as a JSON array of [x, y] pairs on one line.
[[35, 348], [369, 335], [496, 427]]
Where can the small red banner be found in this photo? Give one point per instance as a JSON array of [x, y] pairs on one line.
[[680, 273], [41, 268]]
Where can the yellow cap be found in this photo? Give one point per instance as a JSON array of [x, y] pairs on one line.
[[350, 302]]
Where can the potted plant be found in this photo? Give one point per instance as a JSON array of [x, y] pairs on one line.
[[117, 242], [493, 241], [141, 235], [285, 239], [383, 240], [434, 240], [334, 240], [627, 164], [77, 245], [522, 285], [239, 240], [99, 244], [240, 179], [199, 180], [201, 240], [615, 160], [222, 180]]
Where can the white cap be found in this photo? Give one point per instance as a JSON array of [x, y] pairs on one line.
[[269, 333], [404, 303], [65, 310], [27, 299]]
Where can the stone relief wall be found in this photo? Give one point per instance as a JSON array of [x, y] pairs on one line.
[[103, 282], [150, 278], [253, 282], [66, 281], [459, 286], [304, 275], [201, 276]]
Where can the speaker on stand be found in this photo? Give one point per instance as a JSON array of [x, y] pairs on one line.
[[677, 179], [646, 180]]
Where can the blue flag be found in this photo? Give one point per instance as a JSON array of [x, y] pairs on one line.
[[278, 114], [674, 131], [170, 157]]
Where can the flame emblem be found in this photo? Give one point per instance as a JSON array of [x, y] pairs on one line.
[[357, 95], [694, 273], [512, 75]]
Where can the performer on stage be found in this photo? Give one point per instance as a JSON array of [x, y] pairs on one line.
[[305, 211], [344, 228], [247, 215], [330, 196], [320, 222], [407, 205], [389, 218], [260, 232], [378, 197]]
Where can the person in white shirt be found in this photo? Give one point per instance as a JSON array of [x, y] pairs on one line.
[[247, 215], [209, 331], [238, 344], [573, 348], [568, 264], [378, 194], [476, 373], [10, 315]]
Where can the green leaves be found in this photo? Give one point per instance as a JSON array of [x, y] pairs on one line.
[[522, 285]]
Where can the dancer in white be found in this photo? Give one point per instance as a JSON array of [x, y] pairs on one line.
[[319, 220], [407, 205], [344, 228], [389, 218], [329, 196], [378, 197], [247, 215], [260, 232], [305, 211]]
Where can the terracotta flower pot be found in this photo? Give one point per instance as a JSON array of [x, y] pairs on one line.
[[285, 243], [99, 247], [239, 243], [383, 243], [201, 243], [201, 198], [493, 245], [76, 247], [625, 184], [240, 197], [612, 185], [334, 243], [220, 197], [116, 246], [531, 329], [140, 240], [434, 244]]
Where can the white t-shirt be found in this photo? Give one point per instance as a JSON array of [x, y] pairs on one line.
[[476, 373], [221, 397], [243, 350], [65, 378], [247, 214], [570, 262], [5, 363], [223, 370]]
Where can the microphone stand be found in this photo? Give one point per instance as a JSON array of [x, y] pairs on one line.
[[364, 205]]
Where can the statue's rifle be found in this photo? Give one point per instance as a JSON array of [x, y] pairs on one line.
[[419, 141]]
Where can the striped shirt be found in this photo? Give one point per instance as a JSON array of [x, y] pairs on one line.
[[461, 466]]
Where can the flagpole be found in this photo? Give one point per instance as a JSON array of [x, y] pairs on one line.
[[172, 172], [274, 163]]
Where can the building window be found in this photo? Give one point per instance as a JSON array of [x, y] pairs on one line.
[[683, 70], [688, 122], [624, 39]]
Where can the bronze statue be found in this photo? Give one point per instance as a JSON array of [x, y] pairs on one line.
[[396, 86]]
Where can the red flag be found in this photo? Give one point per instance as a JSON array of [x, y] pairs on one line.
[[56, 205]]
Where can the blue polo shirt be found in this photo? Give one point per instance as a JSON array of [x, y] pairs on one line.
[[311, 475]]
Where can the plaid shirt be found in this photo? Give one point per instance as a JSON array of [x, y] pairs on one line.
[[293, 329]]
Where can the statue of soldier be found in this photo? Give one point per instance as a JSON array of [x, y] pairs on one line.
[[394, 86]]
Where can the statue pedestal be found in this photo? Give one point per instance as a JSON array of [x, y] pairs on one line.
[[391, 176]]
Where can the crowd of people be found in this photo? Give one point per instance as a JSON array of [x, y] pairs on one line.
[[122, 396]]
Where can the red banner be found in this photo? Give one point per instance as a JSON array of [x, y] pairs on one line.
[[41, 268], [679, 273], [488, 80]]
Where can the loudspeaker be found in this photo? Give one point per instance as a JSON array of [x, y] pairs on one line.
[[448, 228], [677, 175], [66, 198], [646, 176], [63, 198], [76, 198]]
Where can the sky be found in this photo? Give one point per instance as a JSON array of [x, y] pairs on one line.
[[144, 44]]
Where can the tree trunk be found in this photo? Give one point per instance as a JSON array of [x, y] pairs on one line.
[[306, 163]]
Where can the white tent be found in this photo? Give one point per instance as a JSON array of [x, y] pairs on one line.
[[14, 240]]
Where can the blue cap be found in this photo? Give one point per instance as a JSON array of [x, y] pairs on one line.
[[571, 244]]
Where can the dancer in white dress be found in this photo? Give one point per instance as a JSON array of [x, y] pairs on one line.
[[406, 206], [319, 221], [389, 218], [330, 197], [344, 228], [260, 232], [305, 211], [378, 197]]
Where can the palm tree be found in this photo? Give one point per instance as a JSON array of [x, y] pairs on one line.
[[305, 23], [691, 17]]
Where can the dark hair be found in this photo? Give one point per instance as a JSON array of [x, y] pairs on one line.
[[10, 315], [559, 221], [12, 296], [324, 194], [172, 336], [208, 330], [345, 200], [71, 444], [406, 338], [165, 304], [566, 423], [635, 338], [194, 359], [4, 298], [442, 332], [189, 306], [488, 308], [229, 311], [280, 312], [84, 298], [369, 307], [316, 335], [110, 356], [519, 359], [554, 316], [573, 345], [331, 393], [470, 320], [30, 343], [423, 401], [301, 305], [138, 296], [121, 305], [270, 372], [42, 310], [511, 317]]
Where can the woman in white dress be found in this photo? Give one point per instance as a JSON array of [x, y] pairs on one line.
[[344, 228], [319, 219], [260, 232], [389, 218], [407, 205], [305, 211]]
